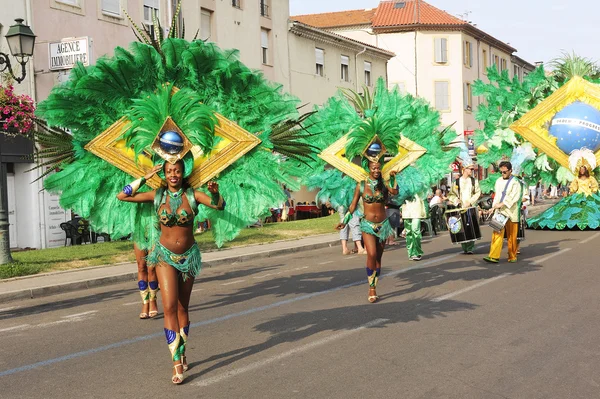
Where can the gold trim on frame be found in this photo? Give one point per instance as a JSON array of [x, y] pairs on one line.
[[408, 152], [235, 142], [532, 126]]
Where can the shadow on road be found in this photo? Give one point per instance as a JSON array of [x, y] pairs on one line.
[[297, 326]]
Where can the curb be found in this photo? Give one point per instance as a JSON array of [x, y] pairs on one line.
[[38, 292]]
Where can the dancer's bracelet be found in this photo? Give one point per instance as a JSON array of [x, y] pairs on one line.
[[347, 217], [134, 186], [393, 182], [218, 201]]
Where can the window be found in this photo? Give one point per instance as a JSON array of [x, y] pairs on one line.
[[468, 97], [264, 8], [486, 61], [236, 3], [345, 68], [516, 71], [150, 12], [111, 7], [320, 61], [442, 96], [503, 64], [468, 54], [264, 44], [70, 2], [441, 50], [205, 24], [368, 73], [497, 63]]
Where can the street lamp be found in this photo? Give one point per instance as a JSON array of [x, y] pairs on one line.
[[20, 40]]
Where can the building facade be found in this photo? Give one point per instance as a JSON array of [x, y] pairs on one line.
[[85, 30], [438, 56]]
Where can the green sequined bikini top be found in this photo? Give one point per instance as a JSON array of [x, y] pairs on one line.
[[377, 197], [167, 216]]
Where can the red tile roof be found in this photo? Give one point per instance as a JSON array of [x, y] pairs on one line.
[[413, 12], [335, 19], [386, 15]]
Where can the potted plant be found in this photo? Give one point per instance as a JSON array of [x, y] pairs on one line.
[[16, 111]]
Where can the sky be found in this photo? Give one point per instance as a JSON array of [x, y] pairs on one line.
[[539, 30]]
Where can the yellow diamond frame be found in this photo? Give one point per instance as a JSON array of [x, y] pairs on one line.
[[532, 125], [235, 142], [408, 152]]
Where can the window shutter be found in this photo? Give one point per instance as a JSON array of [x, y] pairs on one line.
[[465, 55], [264, 38], [205, 25], [441, 96], [345, 60], [438, 50], [465, 95], [367, 66], [320, 56], [470, 54], [111, 6]]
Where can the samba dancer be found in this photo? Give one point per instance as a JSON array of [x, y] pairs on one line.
[[506, 202], [464, 194], [374, 224], [176, 253]]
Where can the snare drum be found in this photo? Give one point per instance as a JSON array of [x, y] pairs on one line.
[[498, 221], [463, 225]]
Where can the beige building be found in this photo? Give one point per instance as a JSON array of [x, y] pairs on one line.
[[85, 30], [438, 56], [337, 62]]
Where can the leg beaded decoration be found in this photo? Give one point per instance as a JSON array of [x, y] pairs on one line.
[[153, 289], [184, 332], [373, 279], [177, 348], [145, 294]]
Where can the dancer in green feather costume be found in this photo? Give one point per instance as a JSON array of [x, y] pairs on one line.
[[187, 83], [374, 125]]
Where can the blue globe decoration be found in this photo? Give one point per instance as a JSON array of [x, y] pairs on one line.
[[171, 142], [374, 150], [575, 126]]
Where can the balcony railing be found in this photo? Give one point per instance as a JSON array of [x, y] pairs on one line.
[[264, 9]]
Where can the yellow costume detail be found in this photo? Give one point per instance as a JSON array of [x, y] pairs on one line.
[[586, 186]]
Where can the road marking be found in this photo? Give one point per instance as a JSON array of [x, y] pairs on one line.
[[131, 303], [472, 287], [234, 282], [302, 268], [351, 257], [14, 328], [215, 320], [7, 309], [80, 314], [590, 238], [324, 263], [292, 352], [562, 251]]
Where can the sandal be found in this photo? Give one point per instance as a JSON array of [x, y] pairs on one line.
[[144, 316], [372, 298], [177, 378]]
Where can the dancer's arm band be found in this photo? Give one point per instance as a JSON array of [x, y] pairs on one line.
[[347, 218], [135, 185], [392, 181], [218, 201]]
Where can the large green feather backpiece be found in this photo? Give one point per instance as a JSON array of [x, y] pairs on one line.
[[137, 84], [387, 114]]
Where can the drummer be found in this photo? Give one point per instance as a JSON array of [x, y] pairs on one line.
[[464, 193], [506, 201]]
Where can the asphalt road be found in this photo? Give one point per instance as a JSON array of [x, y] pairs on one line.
[[300, 326]]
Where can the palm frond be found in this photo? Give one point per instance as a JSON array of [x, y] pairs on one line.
[[290, 138], [361, 102], [56, 147], [570, 65]]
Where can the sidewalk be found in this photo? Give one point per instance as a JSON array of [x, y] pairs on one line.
[[45, 284]]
